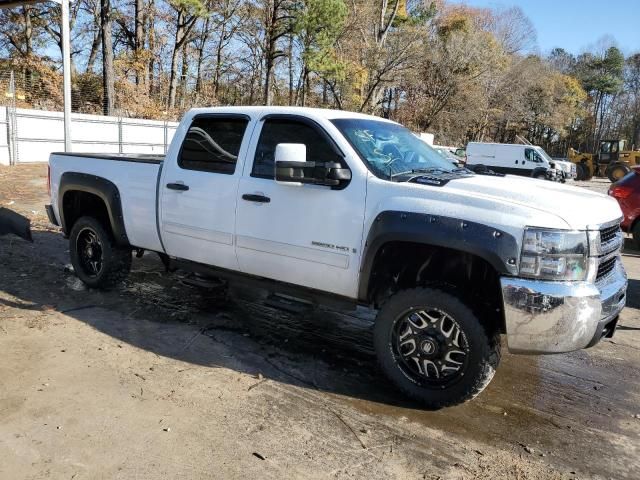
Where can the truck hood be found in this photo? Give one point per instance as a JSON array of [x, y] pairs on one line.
[[578, 207]]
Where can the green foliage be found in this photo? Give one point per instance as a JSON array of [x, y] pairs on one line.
[[190, 7], [318, 24], [603, 74], [422, 13]]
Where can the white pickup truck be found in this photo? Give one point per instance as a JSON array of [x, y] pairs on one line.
[[348, 209]]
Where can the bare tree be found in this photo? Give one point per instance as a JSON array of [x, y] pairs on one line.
[[513, 30], [277, 22], [187, 13], [108, 75]]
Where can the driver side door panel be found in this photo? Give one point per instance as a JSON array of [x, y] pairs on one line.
[[307, 235]]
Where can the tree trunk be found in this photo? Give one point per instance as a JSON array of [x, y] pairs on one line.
[[290, 59], [266, 94], [107, 58], [268, 66], [183, 76], [139, 39], [305, 86], [173, 75], [28, 39], [271, 21], [202, 43], [93, 53], [151, 42], [28, 30]]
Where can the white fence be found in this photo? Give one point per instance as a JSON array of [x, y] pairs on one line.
[[31, 135]]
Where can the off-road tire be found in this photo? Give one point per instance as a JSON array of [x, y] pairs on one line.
[[483, 347], [116, 261], [616, 172], [581, 173]]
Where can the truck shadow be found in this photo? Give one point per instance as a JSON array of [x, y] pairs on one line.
[[160, 312]]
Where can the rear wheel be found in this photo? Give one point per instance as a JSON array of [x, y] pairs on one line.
[[96, 259], [434, 348], [616, 172], [581, 173]]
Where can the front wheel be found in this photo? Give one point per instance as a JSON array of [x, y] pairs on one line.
[[95, 257], [616, 172], [434, 348]]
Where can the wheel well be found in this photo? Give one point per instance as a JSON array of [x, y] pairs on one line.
[[76, 204], [402, 265]]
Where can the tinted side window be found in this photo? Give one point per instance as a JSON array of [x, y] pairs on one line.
[[212, 144], [529, 154], [288, 131]]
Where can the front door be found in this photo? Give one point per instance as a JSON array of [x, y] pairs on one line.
[[199, 191], [305, 235]]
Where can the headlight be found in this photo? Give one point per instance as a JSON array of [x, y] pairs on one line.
[[554, 255]]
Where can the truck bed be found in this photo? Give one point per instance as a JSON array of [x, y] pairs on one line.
[[135, 175]]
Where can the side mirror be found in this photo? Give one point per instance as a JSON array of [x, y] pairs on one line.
[[290, 161], [292, 168]]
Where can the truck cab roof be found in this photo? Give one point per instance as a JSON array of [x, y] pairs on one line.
[[323, 113]]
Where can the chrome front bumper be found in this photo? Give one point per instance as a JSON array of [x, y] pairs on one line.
[[555, 317]]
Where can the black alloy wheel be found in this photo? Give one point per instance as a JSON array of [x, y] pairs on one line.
[[89, 251], [430, 347]]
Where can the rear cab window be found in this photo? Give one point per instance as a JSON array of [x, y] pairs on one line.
[[212, 143]]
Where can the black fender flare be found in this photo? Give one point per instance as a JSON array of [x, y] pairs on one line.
[[496, 247], [102, 188]]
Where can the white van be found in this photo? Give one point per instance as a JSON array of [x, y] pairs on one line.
[[515, 159]]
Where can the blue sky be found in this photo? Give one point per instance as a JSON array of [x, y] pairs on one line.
[[576, 24]]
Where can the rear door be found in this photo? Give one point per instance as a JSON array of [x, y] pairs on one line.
[[307, 235], [199, 189]]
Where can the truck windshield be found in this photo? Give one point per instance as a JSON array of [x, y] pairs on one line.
[[543, 154], [390, 149]]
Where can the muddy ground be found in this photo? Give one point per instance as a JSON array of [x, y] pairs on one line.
[[160, 379]]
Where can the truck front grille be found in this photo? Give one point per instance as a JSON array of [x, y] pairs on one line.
[[611, 240], [606, 267], [609, 234]]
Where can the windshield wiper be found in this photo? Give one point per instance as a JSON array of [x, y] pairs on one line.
[[394, 175], [430, 170], [457, 170], [419, 170]]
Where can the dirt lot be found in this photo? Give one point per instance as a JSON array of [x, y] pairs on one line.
[[158, 379]]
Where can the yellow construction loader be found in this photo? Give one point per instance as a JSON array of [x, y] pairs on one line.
[[611, 160]]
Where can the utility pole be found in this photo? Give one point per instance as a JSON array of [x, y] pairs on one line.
[[66, 74]]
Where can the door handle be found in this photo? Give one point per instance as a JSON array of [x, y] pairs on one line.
[[251, 197], [181, 187]]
